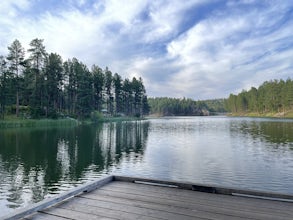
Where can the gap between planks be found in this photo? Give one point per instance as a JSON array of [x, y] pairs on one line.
[[223, 209]]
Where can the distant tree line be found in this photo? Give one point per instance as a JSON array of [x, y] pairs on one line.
[[165, 106], [42, 85], [214, 106], [271, 96]]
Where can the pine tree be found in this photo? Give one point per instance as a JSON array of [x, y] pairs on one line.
[[108, 90], [117, 81], [3, 85], [53, 75], [37, 58], [70, 86], [84, 90], [16, 62], [98, 84], [127, 97]]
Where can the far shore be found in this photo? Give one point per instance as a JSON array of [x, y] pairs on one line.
[[62, 122], [71, 122], [287, 114]]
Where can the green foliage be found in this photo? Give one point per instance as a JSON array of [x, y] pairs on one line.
[[214, 106], [49, 88], [274, 96], [19, 123], [172, 106], [185, 107], [3, 86], [96, 116], [98, 84], [15, 59]]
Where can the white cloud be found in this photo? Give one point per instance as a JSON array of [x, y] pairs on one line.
[[227, 49], [166, 17], [11, 7], [122, 11], [9, 17]]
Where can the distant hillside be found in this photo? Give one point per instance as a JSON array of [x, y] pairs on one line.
[[165, 106], [272, 98], [214, 106]]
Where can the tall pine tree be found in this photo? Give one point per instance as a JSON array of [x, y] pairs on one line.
[[16, 62], [37, 59]]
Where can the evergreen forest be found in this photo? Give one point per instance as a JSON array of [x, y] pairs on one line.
[[165, 106], [38, 84], [275, 96]]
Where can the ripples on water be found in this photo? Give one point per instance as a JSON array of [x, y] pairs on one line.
[[233, 152]]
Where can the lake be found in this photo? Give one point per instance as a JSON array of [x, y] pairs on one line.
[[248, 153]]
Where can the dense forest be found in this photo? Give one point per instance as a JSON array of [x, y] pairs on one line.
[[274, 96], [43, 86], [36, 84], [185, 107], [215, 106]]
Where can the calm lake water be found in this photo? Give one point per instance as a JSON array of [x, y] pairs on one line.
[[245, 153]]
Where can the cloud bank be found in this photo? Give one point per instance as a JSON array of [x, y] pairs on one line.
[[197, 48]]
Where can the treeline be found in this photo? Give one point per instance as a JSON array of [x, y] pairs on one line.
[[214, 106], [272, 96], [165, 106], [43, 86]]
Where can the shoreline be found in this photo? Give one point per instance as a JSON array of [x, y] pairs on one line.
[[32, 123], [62, 122], [280, 115]]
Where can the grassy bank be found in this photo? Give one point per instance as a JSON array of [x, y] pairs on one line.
[[111, 119], [119, 119], [287, 114], [12, 122], [19, 123]]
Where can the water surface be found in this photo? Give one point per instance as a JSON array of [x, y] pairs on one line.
[[247, 153]]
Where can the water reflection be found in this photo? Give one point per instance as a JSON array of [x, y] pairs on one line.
[[35, 163], [233, 152], [273, 131]]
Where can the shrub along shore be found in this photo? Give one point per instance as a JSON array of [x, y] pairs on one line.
[[287, 114], [19, 123], [64, 122]]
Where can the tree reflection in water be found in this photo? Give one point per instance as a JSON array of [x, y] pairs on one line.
[[35, 163]]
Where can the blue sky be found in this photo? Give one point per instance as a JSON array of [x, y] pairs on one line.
[[200, 49]]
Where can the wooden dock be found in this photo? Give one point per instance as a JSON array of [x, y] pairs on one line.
[[117, 197]]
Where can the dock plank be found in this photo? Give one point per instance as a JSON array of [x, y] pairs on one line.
[[137, 203], [121, 198], [120, 211], [75, 215], [23, 212], [172, 210], [177, 192], [204, 198], [219, 208], [206, 188], [43, 216]]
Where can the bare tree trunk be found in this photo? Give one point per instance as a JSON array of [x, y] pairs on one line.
[[17, 104]]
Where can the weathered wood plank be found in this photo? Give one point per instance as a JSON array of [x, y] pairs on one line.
[[124, 207], [187, 195], [202, 200], [206, 188], [75, 215], [107, 209], [171, 209], [136, 203], [20, 213], [44, 216], [125, 199], [221, 210]]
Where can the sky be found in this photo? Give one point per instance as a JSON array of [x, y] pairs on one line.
[[199, 49]]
